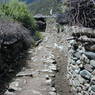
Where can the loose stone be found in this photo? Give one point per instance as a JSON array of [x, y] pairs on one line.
[[93, 80], [9, 93], [93, 88], [77, 54], [72, 42], [14, 87], [52, 93], [88, 67], [85, 74], [47, 77], [79, 94], [53, 89], [48, 81], [92, 62], [93, 73], [84, 58], [76, 83], [53, 67], [81, 80], [78, 62]]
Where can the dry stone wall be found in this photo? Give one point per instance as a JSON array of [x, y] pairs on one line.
[[81, 60]]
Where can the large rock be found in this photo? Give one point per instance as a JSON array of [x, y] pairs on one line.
[[85, 74], [90, 55]]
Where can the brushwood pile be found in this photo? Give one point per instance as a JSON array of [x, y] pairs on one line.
[[14, 41]]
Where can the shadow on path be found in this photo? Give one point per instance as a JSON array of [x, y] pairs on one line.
[[8, 74]]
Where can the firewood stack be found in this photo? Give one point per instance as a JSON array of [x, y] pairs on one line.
[[82, 12], [79, 12]]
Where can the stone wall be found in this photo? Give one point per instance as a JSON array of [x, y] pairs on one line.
[[81, 60]]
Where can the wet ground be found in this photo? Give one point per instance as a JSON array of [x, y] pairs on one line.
[[45, 73]]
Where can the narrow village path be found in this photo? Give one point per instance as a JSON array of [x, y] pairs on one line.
[[46, 70]]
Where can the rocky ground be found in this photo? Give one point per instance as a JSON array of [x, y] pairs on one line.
[[45, 73]]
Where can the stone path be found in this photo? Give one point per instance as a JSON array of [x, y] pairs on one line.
[[38, 78]]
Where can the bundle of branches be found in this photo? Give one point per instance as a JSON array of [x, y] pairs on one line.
[[14, 40], [80, 12]]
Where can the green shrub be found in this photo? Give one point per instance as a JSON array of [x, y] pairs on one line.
[[38, 36], [18, 11]]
